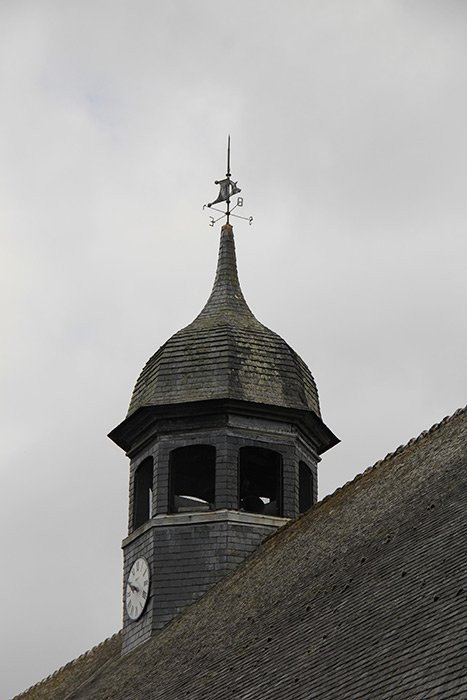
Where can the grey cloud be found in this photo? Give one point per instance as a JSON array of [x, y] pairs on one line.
[[348, 141]]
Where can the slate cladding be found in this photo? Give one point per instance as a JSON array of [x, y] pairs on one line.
[[226, 353], [186, 560], [363, 597]]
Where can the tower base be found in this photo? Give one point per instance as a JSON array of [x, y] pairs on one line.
[[187, 554]]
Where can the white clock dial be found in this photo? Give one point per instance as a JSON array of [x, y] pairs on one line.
[[137, 588]]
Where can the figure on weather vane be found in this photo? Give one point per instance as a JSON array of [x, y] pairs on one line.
[[228, 189]]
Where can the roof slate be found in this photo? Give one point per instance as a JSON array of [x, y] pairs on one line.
[[226, 353], [69, 677], [364, 596]]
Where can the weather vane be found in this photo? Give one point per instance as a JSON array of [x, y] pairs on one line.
[[228, 189]]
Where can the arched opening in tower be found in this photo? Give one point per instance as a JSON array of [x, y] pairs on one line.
[[142, 502], [192, 479], [305, 487], [260, 480]]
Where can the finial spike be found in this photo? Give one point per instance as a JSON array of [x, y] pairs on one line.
[[228, 188]]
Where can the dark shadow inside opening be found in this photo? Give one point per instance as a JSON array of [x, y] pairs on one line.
[[143, 492], [192, 479], [305, 487], [260, 480]]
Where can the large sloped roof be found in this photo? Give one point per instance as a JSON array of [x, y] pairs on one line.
[[226, 353], [365, 596]]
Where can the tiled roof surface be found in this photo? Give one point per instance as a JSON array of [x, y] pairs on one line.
[[226, 353], [68, 678], [364, 596]]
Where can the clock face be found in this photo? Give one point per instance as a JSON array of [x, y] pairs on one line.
[[137, 588]]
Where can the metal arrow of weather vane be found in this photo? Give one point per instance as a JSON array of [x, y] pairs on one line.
[[228, 189]]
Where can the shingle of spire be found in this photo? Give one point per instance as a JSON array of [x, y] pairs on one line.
[[226, 353], [226, 295]]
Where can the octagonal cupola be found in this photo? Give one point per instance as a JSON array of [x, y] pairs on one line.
[[224, 434]]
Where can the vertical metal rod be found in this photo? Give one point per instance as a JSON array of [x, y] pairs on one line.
[[228, 175]]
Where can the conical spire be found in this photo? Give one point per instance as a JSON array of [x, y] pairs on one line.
[[226, 353], [226, 298]]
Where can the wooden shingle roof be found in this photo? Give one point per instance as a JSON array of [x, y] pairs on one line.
[[226, 353], [364, 596]]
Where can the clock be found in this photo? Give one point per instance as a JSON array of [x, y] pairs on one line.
[[137, 588]]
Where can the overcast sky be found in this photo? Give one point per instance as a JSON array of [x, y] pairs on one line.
[[348, 124]]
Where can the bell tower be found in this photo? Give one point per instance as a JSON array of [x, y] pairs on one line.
[[224, 434]]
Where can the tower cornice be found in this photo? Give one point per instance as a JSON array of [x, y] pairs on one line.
[[139, 427]]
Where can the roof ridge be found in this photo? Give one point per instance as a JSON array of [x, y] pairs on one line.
[[67, 665], [410, 443], [390, 455]]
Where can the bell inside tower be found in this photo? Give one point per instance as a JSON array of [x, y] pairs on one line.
[[260, 472], [192, 479]]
